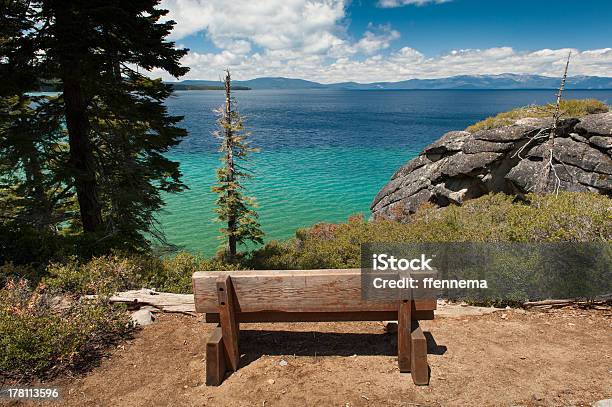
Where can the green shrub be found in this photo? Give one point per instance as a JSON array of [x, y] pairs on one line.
[[38, 340], [569, 108], [106, 275], [176, 272], [101, 275], [24, 245], [10, 271], [578, 217]]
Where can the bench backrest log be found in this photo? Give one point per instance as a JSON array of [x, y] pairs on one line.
[[299, 295]]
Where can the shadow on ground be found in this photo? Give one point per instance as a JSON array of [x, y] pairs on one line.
[[256, 343]]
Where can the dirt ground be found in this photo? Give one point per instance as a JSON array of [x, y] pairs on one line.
[[506, 358]]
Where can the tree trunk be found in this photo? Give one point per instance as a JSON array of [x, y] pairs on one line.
[[81, 155], [231, 220], [77, 123]]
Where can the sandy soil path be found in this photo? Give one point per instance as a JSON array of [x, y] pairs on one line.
[[508, 358]]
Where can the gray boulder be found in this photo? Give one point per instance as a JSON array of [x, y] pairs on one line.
[[602, 142], [142, 317], [467, 164], [448, 143], [596, 124], [504, 134], [473, 146], [461, 165]]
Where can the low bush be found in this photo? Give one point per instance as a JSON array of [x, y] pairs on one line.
[[574, 217], [569, 108], [29, 247], [176, 272], [108, 274], [101, 275], [41, 340], [10, 271]]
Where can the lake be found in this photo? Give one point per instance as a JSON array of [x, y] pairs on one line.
[[324, 153]]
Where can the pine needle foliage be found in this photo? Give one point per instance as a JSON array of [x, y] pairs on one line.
[[234, 207]]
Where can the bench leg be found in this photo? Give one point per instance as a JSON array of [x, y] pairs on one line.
[[215, 358], [229, 323], [419, 367], [404, 341]]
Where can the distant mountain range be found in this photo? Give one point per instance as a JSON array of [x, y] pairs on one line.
[[187, 85], [503, 81]]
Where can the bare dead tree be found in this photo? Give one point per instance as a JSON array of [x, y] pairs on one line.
[[549, 158]]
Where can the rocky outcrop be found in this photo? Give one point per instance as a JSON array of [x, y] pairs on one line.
[[510, 159]]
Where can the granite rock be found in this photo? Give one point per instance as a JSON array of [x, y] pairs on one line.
[[462, 165]]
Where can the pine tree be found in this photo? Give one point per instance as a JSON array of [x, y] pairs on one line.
[[233, 206], [97, 53]]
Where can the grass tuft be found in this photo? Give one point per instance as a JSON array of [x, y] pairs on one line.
[[569, 108]]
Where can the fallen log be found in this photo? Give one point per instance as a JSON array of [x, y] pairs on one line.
[[184, 303], [544, 303], [164, 302], [599, 300]]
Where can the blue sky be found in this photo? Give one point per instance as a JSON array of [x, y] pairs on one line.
[[337, 40], [522, 24]]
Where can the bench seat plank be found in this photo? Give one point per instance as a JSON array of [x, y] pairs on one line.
[[293, 291]]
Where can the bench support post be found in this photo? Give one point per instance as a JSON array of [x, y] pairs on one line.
[[215, 358], [418, 366], [411, 345], [229, 322], [404, 342]]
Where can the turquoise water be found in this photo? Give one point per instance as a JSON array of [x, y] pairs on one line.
[[324, 153], [329, 186]]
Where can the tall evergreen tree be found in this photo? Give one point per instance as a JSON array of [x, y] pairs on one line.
[[233, 207], [117, 126]]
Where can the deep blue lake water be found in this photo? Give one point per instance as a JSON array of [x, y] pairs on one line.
[[324, 153]]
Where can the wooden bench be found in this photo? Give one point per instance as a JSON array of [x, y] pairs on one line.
[[228, 298]]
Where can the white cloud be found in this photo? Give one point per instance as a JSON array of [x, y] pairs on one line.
[[372, 42], [400, 3], [405, 63], [311, 26], [308, 39]]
